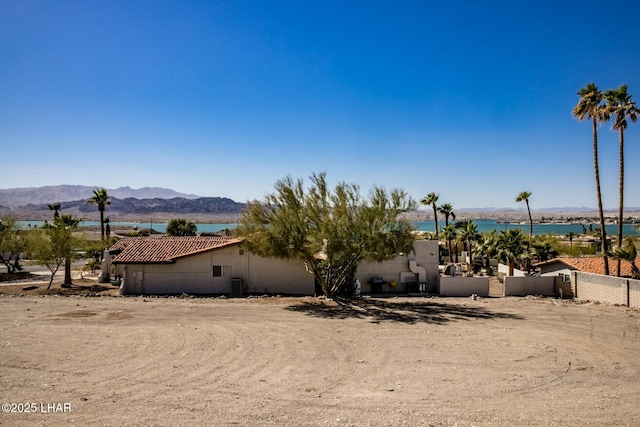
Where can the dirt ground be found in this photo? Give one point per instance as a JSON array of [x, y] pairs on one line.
[[82, 360]]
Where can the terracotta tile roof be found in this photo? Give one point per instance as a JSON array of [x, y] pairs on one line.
[[593, 264], [165, 250]]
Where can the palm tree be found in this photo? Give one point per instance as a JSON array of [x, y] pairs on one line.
[[621, 107], [524, 196], [570, 236], [488, 248], [107, 227], [469, 234], [430, 200], [461, 225], [449, 233], [447, 211], [511, 247], [100, 198], [67, 224], [544, 250], [590, 107], [55, 207], [629, 253]]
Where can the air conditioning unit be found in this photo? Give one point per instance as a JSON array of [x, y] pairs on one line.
[[236, 286]]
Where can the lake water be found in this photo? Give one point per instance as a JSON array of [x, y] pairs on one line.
[[484, 225]]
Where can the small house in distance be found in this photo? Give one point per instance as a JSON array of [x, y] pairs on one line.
[[209, 265], [564, 265]]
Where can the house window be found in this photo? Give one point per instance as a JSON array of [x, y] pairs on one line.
[[565, 277], [221, 271]]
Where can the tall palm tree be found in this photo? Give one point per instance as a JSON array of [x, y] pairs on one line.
[[447, 211], [430, 200], [621, 108], [100, 198], [590, 107], [524, 196], [55, 207]]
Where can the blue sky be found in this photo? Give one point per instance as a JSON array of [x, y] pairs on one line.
[[471, 100]]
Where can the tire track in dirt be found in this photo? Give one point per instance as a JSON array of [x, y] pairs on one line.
[[241, 362]]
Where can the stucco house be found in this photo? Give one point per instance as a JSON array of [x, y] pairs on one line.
[[221, 265], [564, 265]]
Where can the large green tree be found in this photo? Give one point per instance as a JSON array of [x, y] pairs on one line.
[[620, 106], [524, 197], [590, 107], [47, 247], [430, 200], [12, 244], [181, 227], [330, 230], [55, 244], [100, 198]]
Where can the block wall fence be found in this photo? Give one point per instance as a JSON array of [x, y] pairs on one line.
[[605, 289]]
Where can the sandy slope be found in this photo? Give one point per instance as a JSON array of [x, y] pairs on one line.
[[303, 361]]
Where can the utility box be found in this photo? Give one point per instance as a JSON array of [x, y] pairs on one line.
[[236, 286]]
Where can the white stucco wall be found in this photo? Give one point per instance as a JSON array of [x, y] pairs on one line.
[[463, 286], [194, 274], [191, 275], [531, 285], [272, 275], [555, 269], [503, 268], [425, 252]]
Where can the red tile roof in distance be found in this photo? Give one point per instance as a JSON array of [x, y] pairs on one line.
[[165, 250], [593, 264]]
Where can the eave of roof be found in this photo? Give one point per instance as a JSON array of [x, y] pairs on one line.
[[592, 264], [166, 250]]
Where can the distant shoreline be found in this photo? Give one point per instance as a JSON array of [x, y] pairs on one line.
[[484, 225], [502, 217]]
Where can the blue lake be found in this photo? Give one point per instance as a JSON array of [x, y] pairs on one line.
[[484, 225]]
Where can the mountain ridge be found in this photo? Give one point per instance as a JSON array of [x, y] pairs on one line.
[[215, 209], [31, 204], [17, 197]]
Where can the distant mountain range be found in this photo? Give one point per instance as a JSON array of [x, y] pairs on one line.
[[162, 204], [142, 204], [16, 197]]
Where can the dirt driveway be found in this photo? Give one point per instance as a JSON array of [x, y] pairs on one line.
[[305, 361]]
